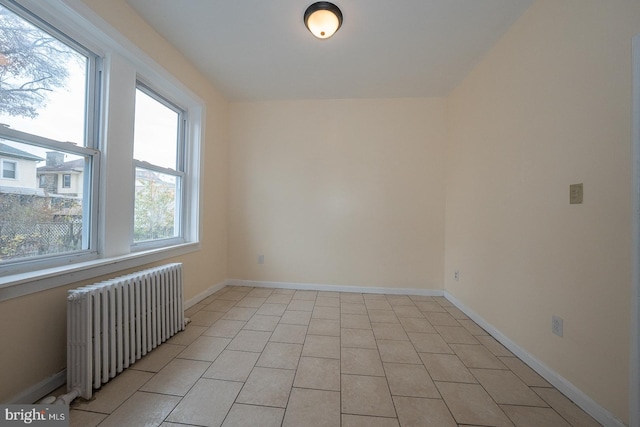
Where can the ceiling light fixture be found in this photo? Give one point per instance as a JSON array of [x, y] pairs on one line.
[[323, 19]]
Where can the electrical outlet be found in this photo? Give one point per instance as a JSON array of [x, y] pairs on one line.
[[576, 194], [456, 275], [260, 259], [557, 325]]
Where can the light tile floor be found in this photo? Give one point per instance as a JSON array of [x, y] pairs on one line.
[[280, 357]]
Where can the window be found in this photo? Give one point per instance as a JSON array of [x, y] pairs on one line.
[[76, 199], [157, 150], [9, 169], [45, 98]]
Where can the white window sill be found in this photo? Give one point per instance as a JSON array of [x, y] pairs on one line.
[[18, 285]]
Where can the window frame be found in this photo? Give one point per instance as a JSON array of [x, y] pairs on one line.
[[88, 150], [14, 170], [66, 180], [120, 61], [179, 172]]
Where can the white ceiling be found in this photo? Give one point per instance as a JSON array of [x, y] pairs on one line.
[[261, 50]]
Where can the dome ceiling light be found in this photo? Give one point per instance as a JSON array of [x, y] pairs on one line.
[[323, 19]]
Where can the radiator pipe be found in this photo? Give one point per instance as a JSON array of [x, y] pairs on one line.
[[63, 399], [48, 400]]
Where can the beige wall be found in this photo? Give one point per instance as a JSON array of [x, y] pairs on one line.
[[34, 326], [340, 192], [550, 106]]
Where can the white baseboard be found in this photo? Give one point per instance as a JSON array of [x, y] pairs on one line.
[[36, 392], [202, 295], [600, 414], [336, 288]]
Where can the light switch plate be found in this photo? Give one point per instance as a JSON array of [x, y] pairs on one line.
[[575, 194]]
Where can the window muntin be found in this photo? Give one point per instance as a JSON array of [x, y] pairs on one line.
[[158, 146], [9, 169], [46, 94]]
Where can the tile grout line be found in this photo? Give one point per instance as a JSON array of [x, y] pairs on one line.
[[393, 402]]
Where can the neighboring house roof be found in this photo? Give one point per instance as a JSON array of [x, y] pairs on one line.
[[148, 175], [8, 151], [70, 166]]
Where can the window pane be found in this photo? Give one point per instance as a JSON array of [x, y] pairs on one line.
[[156, 132], [42, 82], [156, 201], [8, 169], [38, 216]]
